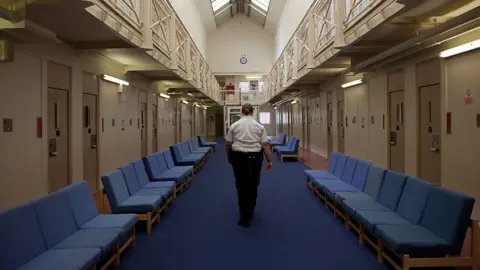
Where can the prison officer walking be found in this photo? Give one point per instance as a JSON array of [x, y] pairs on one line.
[[246, 143]]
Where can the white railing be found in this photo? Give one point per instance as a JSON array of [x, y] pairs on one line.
[[129, 10], [160, 25], [357, 8], [324, 25]]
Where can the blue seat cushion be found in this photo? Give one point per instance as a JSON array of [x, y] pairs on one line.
[[311, 174], [370, 219], [164, 192], [352, 206], [414, 240], [122, 221], [319, 183], [288, 152], [140, 204], [104, 239], [177, 177], [334, 186], [353, 196], [65, 259], [160, 184]]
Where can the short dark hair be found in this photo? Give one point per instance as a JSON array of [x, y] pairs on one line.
[[247, 109]]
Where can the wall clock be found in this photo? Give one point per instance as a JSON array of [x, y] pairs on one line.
[[243, 60]]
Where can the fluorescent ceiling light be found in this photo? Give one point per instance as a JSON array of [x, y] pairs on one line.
[[184, 101], [353, 83], [461, 49], [274, 108], [253, 77], [293, 102], [114, 80], [190, 94], [164, 95], [197, 105], [218, 4]]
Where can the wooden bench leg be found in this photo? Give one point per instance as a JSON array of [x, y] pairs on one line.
[[380, 248], [149, 223], [175, 192], [361, 234], [117, 256], [134, 240]]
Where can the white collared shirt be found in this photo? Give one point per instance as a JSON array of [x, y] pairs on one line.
[[247, 135]]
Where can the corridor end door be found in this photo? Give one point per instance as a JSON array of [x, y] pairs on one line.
[[154, 128], [58, 137], [341, 126], [143, 128], [329, 127], [430, 156], [90, 157], [397, 131]]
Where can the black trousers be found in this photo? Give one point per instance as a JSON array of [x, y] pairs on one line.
[[247, 168]]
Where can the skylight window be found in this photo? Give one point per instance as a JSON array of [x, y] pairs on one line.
[[218, 4], [262, 4]]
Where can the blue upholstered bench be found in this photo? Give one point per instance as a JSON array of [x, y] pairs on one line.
[[146, 207], [422, 224], [157, 170], [291, 141], [195, 148], [290, 151], [182, 158], [87, 217], [204, 143], [281, 140], [44, 234]]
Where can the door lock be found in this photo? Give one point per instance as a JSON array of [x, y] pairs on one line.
[[52, 154]]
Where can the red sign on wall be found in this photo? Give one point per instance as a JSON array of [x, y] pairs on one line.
[[468, 96]]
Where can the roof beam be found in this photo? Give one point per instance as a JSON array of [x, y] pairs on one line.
[[153, 67]]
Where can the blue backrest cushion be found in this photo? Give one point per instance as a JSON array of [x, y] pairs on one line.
[[392, 189], [349, 169], [195, 143], [190, 145], [413, 199], [116, 188], [374, 182], [161, 162], [340, 166], [447, 215], [151, 166], [142, 176], [81, 202], [176, 156], [184, 149], [131, 180], [21, 237], [332, 162], [283, 138], [360, 175], [55, 217], [295, 145], [169, 159]]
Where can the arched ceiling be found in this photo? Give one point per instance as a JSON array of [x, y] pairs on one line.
[[264, 12]]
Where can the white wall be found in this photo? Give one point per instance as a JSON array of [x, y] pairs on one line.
[[234, 38], [292, 15], [188, 13]]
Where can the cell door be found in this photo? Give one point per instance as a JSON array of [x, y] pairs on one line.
[[143, 128], [179, 123], [329, 127], [430, 159], [155, 128], [341, 126], [397, 131], [58, 139], [304, 127], [90, 157]]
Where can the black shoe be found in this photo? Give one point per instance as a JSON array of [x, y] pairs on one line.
[[244, 223]]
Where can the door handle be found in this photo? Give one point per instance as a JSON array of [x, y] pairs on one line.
[[94, 146], [435, 150], [52, 154], [392, 143]]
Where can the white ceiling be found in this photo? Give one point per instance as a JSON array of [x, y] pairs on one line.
[[270, 23]]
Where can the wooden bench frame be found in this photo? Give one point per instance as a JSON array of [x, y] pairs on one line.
[[282, 156], [407, 262], [117, 252]]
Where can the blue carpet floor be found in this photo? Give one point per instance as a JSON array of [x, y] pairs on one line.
[[291, 229]]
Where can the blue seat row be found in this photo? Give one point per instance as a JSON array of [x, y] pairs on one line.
[[160, 167], [189, 154], [63, 230], [413, 218], [204, 143], [281, 140], [291, 150], [128, 191]]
